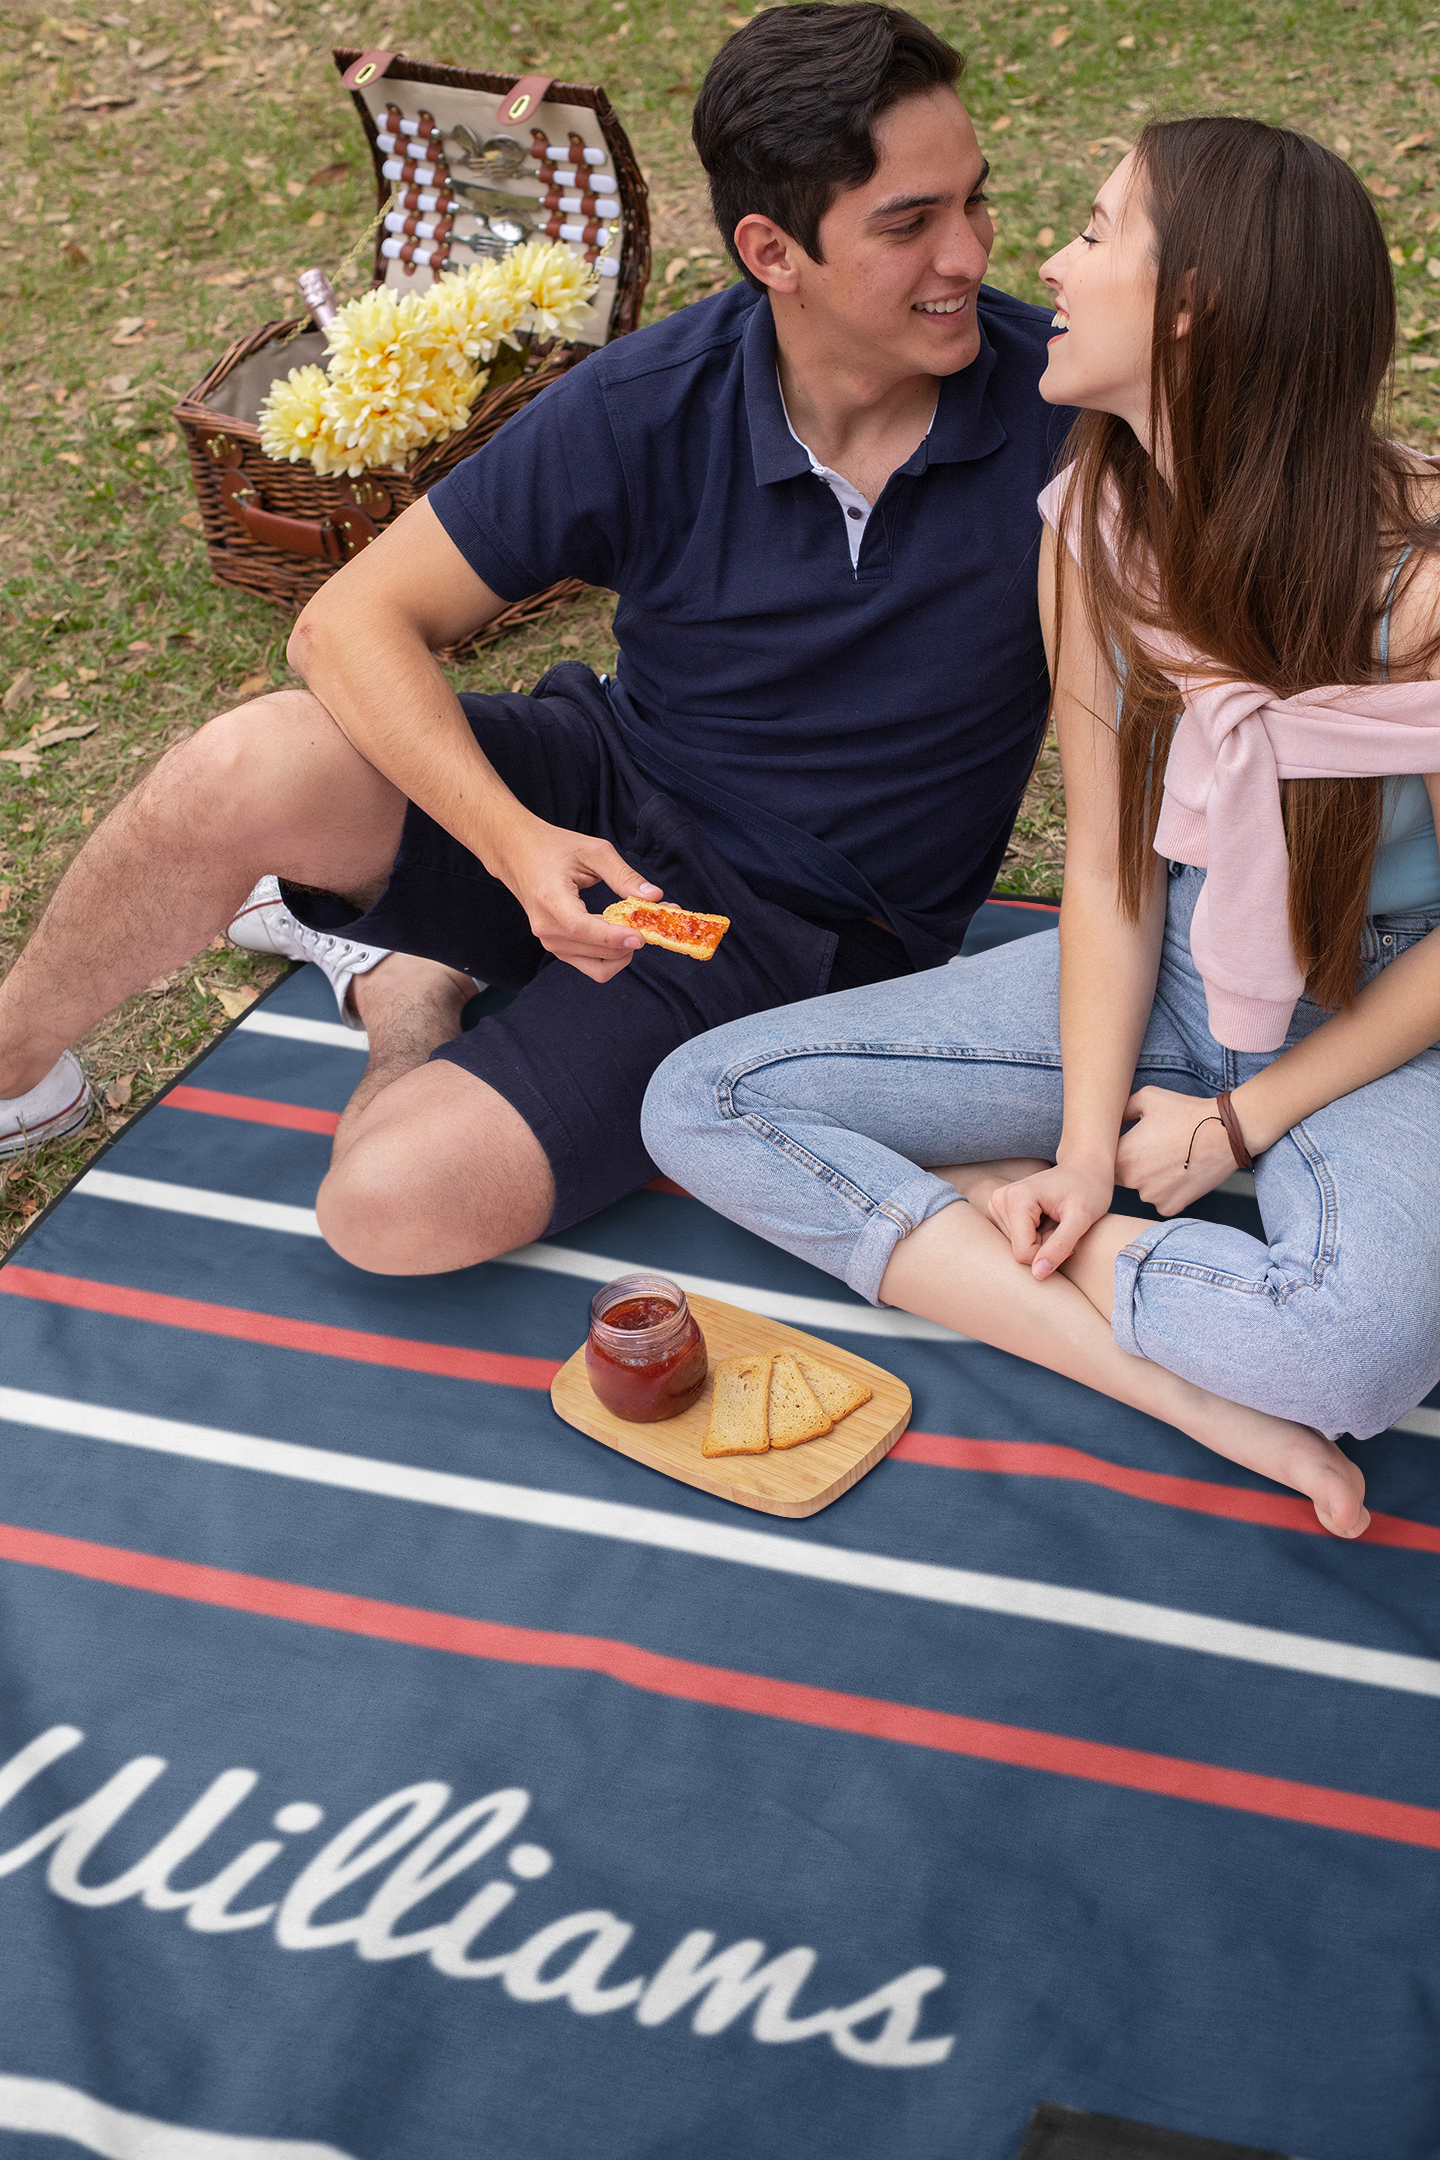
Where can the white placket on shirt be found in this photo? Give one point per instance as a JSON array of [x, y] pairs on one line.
[[855, 506]]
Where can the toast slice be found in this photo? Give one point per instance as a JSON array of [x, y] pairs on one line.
[[796, 1413], [836, 1392], [677, 929], [738, 1420]]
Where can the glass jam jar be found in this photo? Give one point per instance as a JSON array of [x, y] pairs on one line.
[[645, 1357]]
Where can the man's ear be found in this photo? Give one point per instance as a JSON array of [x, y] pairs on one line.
[[768, 253]]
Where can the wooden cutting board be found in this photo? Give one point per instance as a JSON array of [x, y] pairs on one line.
[[784, 1481]]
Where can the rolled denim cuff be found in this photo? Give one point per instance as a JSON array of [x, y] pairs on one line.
[[889, 1220], [1128, 1263]]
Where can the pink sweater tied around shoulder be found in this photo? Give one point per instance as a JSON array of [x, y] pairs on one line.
[[1233, 745]]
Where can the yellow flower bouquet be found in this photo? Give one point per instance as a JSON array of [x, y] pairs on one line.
[[404, 369]]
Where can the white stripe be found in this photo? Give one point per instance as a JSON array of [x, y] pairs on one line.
[[1010, 1595], [826, 1313], [1421, 1421], [49, 2109], [774, 1304], [192, 1200], [329, 1033]]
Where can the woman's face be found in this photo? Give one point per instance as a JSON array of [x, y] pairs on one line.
[[1104, 287]]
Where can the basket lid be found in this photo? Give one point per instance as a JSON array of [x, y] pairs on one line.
[[469, 161]]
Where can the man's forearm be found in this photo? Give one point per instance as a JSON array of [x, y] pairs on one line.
[[388, 696]]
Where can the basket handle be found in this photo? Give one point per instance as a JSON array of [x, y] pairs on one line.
[[335, 539]]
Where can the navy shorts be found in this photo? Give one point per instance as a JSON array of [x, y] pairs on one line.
[[574, 1057]]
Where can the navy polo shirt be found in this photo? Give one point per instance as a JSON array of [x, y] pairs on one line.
[[820, 719]]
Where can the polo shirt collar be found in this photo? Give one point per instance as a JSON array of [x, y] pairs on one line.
[[966, 424]]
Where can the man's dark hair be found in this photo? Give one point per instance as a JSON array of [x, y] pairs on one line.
[[785, 118]]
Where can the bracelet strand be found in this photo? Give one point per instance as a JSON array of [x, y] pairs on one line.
[[1244, 1160]]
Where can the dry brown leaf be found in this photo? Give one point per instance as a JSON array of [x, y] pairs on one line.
[[62, 734], [674, 267], [4, 898], [191, 521], [230, 278], [118, 1093], [253, 685], [234, 1002], [328, 175], [127, 326], [87, 815], [1061, 36], [19, 691], [158, 988], [1415, 142]]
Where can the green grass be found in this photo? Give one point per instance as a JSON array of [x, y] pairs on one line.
[[192, 207]]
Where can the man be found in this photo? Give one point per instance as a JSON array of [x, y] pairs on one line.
[[815, 496]]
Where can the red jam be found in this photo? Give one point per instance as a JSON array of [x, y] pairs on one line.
[[645, 1357]]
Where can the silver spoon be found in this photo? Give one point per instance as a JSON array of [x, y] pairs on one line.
[[499, 155]]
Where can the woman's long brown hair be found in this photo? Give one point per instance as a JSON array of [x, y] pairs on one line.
[[1268, 546]]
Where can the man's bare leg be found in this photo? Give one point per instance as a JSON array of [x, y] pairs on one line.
[[408, 1007], [435, 1172], [272, 786], [957, 1268]]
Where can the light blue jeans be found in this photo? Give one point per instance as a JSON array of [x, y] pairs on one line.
[[811, 1125]]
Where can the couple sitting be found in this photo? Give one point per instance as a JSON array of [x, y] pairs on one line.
[[815, 495]]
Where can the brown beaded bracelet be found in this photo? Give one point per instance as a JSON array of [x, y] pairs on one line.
[[1243, 1158]]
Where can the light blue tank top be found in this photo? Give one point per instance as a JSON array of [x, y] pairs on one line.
[[1407, 861]]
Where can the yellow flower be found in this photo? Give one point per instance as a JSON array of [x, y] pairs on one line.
[[401, 367], [472, 313], [293, 423], [553, 286]]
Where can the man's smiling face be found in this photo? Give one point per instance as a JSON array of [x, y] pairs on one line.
[[905, 253]]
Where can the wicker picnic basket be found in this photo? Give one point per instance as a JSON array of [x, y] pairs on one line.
[[279, 529]]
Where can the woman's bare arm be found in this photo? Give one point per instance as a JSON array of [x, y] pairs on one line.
[[1393, 1019], [1108, 965]]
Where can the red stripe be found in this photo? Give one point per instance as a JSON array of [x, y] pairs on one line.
[[252, 1109], [1033, 1458], [497, 1367], [756, 1694], [298, 1117], [942, 1451], [667, 1184], [1036, 907]]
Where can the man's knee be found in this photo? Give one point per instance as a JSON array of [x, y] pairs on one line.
[[240, 755], [441, 1173]]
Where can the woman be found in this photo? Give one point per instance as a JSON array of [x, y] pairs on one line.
[[1232, 540]]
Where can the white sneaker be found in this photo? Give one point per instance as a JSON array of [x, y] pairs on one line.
[[57, 1105], [266, 925]]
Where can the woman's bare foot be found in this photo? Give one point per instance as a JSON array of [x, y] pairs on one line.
[[1293, 1455]]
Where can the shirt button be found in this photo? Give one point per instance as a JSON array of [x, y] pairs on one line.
[[852, 512]]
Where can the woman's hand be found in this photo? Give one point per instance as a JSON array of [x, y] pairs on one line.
[[1045, 1216], [1151, 1156]]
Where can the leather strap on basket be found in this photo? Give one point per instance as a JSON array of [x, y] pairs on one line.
[[520, 103], [369, 68], [1244, 1160], [334, 539]]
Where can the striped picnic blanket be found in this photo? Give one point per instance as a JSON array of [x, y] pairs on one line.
[[390, 1772]]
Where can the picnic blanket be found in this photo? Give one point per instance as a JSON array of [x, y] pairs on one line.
[[389, 1772]]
